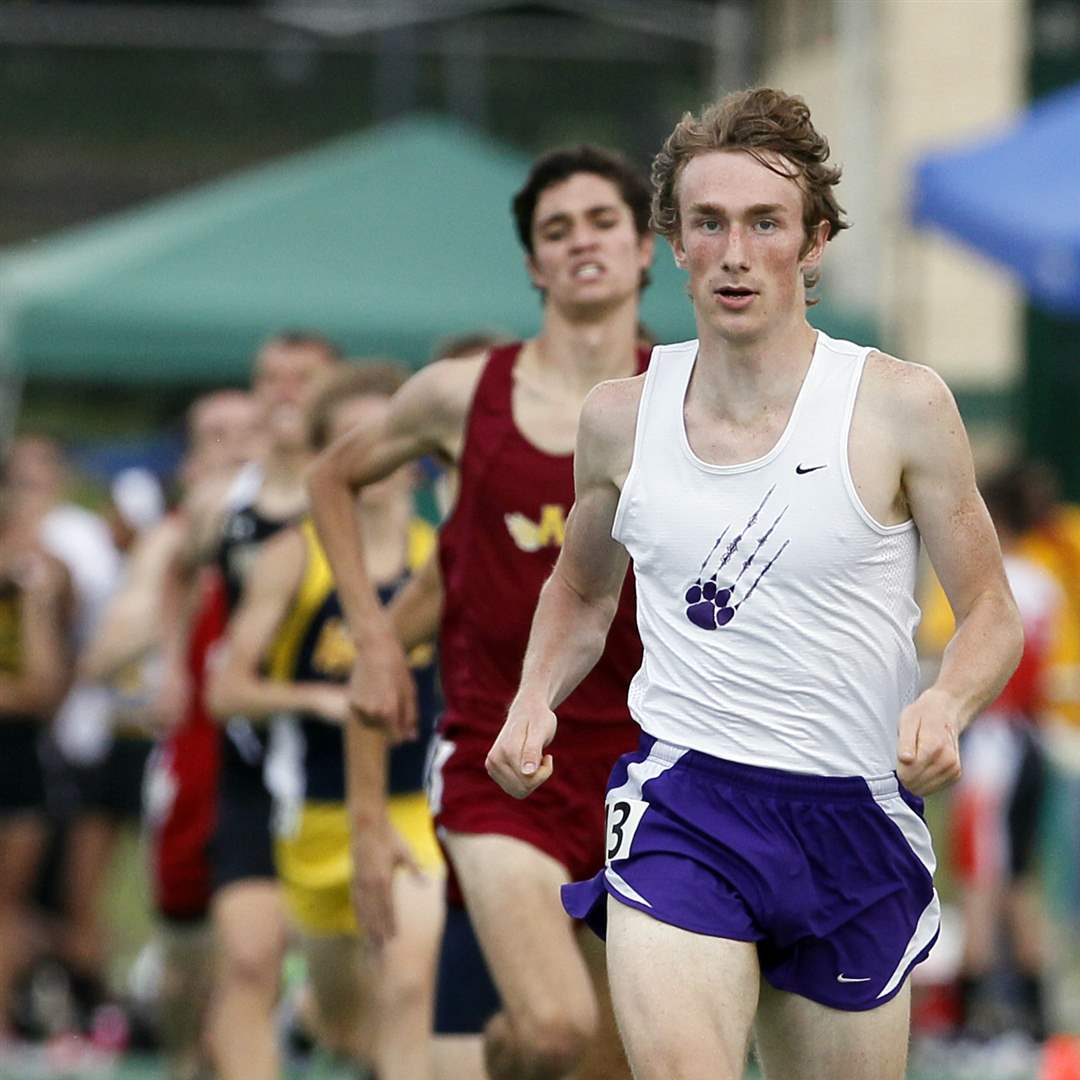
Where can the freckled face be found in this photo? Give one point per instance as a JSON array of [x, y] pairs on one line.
[[586, 249], [741, 239]]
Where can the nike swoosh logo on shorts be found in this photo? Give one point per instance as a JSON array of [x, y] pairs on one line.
[[813, 468], [844, 978]]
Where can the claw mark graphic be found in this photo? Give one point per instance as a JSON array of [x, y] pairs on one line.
[[734, 545], [711, 605], [764, 570], [719, 541], [760, 544]]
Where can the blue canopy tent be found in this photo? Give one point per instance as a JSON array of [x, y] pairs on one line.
[[1016, 198]]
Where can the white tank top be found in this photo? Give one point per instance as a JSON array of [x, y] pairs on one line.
[[777, 615]]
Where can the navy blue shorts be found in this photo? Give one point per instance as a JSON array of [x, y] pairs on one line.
[[466, 998], [113, 787], [831, 877], [22, 776], [242, 846]]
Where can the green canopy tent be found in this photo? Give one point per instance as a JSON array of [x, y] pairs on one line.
[[386, 241]]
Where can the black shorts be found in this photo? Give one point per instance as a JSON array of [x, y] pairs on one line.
[[1026, 806], [242, 845], [113, 786], [466, 997], [22, 778]]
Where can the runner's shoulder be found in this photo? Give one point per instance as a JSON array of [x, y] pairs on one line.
[[443, 390], [609, 418], [914, 388], [611, 408]]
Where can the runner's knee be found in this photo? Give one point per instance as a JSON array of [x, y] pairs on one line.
[[255, 962], [556, 1042]]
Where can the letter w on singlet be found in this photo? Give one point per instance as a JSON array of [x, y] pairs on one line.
[[531, 535]]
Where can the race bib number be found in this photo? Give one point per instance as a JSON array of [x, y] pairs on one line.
[[623, 816]]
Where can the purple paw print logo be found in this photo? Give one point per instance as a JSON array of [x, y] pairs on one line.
[[711, 605]]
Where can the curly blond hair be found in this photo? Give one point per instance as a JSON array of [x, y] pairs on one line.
[[775, 129]]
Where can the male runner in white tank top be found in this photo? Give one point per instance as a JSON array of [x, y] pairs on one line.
[[765, 865]]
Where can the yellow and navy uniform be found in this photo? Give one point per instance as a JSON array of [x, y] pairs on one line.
[[312, 849], [22, 782]]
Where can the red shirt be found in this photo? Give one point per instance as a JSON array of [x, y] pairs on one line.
[[184, 772], [207, 629], [496, 551]]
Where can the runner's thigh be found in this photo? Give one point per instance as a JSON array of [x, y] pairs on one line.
[[684, 1002], [798, 1039], [511, 890], [250, 928], [605, 1058], [420, 912]]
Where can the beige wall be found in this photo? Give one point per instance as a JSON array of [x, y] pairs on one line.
[[888, 80]]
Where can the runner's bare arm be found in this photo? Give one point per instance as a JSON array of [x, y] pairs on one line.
[[427, 416], [366, 752], [580, 598], [203, 518], [938, 480], [239, 686], [416, 609], [377, 848], [132, 623], [181, 594], [378, 851]]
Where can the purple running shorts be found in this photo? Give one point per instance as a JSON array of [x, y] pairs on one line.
[[831, 877]]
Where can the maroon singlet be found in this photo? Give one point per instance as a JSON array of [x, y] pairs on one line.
[[496, 551]]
